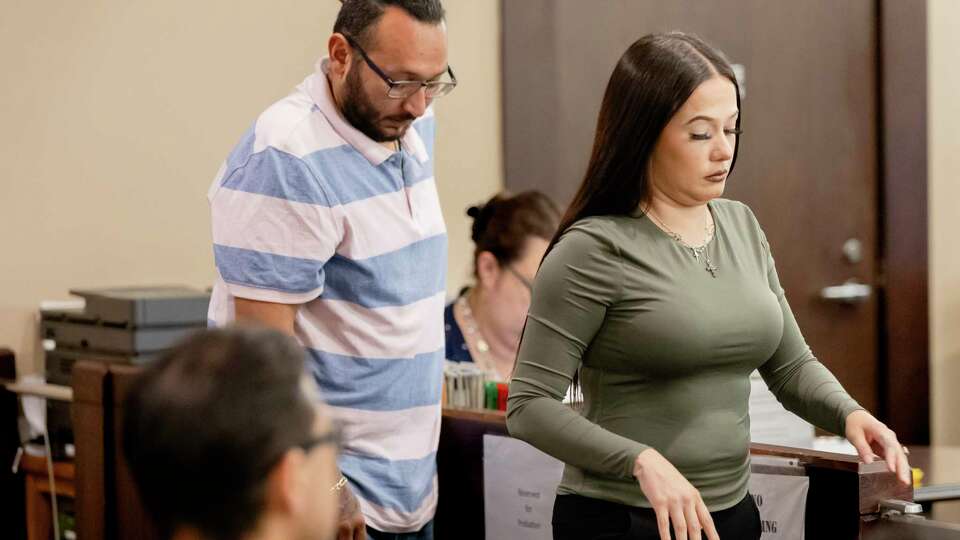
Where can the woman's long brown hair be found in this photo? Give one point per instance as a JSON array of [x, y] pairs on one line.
[[653, 79]]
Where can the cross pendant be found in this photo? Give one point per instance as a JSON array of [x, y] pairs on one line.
[[712, 269]]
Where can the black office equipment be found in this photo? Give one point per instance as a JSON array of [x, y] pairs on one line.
[[128, 325]]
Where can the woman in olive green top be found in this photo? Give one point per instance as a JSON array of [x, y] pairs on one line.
[[659, 299]]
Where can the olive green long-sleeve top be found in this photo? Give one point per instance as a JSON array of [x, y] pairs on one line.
[[665, 351]]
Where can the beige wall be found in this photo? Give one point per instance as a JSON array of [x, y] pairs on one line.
[[117, 114], [944, 196], [469, 137]]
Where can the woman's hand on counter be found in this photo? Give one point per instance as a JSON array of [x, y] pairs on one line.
[[872, 438]]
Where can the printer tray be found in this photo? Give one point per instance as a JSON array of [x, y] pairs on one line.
[[114, 340], [59, 362], [146, 306]]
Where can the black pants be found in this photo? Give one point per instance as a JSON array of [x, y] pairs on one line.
[[585, 518]]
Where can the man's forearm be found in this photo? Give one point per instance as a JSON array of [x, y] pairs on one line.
[[270, 314]]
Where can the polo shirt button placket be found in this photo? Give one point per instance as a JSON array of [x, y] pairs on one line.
[[397, 161]]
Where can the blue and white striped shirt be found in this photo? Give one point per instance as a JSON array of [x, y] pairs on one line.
[[308, 210]]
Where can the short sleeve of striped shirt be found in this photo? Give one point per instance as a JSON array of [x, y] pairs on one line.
[[273, 225]]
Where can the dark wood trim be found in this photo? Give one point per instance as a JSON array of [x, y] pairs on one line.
[[480, 415], [8, 364], [94, 459], [460, 471], [904, 336], [132, 518]]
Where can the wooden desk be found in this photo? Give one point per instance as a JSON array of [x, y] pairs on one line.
[[37, 491], [108, 505], [842, 501], [460, 471], [92, 424]]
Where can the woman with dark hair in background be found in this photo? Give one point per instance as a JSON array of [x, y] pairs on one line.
[[510, 234], [659, 299]]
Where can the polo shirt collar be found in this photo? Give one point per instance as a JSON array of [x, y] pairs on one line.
[[318, 87]]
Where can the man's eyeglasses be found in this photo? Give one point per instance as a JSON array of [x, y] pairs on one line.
[[405, 89]]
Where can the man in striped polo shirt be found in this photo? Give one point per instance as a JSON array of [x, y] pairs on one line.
[[327, 226]]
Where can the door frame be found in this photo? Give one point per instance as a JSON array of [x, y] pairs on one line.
[[904, 370], [903, 320]]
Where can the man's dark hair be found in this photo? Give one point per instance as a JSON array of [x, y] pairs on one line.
[[206, 423], [358, 17]]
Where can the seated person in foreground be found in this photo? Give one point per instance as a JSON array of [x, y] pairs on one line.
[[510, 234], [226, 438]]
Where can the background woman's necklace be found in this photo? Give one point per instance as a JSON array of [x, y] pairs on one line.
[[471, 333], [698, 251]]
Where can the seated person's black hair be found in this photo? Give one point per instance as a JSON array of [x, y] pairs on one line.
[[204, 425]]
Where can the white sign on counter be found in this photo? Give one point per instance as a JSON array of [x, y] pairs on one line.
[[519, 487], [782, 501]]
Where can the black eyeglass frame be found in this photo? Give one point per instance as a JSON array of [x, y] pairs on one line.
[[442, 88], [333, 436]]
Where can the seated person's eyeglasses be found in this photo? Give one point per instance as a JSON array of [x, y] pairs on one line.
[[405, 89], [333, 436]]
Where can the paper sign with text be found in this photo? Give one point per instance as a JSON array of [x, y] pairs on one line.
[[782, 501], [519, 487]]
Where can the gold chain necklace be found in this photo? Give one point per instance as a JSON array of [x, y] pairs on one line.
[[698, 251]]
